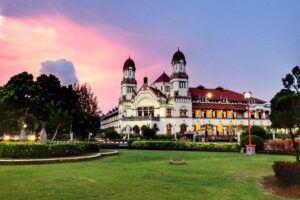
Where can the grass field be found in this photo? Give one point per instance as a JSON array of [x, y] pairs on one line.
[[136, 174]]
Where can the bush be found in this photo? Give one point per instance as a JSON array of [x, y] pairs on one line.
[[108, 145], [111, 134], [258, 141], [164, 137], [287, 172], [257, 130], [178, 145], [148, 133], [43, 150]]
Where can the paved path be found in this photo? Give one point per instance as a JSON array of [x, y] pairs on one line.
[[55, 160]]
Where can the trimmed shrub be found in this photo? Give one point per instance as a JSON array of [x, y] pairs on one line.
[[108, 145], [178, 145], [258, 141], [287, 172], [257, 130], [111, 133], [164, 137], [44, 150]]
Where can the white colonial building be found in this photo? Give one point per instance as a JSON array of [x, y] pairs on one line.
[[172, 106]]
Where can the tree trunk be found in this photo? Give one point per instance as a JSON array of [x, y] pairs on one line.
[[295, 145], [56, 131]]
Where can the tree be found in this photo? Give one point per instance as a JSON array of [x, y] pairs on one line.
[[111, 133], [256, 130], [148, 133], [22, 99], [87, 115], [15, 100], [292, 80], [285, 106]]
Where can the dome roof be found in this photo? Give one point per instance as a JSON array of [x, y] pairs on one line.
[[178, 55], [129, 62]]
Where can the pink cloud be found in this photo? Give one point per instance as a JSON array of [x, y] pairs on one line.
[[97, 53]]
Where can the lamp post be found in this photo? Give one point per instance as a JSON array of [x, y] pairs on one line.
[[249, 147], [209, 95]]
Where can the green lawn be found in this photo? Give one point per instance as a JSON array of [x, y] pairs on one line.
[[136, 174]]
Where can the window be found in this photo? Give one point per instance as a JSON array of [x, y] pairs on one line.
[[182, 84], [182, 112], [167, 88], [146, 111], [169, 112], [130, 89], [140, 111], [151, 111]]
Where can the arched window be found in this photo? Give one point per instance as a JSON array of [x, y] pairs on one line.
[[169, 128]]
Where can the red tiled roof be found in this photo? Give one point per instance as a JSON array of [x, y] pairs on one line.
[[219, 106], [157, 92], [218, 93], [163, 78]]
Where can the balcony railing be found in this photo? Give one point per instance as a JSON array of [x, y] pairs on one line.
[[141, 118]]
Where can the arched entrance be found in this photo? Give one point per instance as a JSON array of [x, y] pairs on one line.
[[183, 128], [136, 130]]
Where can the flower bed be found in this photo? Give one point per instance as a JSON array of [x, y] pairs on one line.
[[45, 150], [287, 172], [281, 145], [178, 145]]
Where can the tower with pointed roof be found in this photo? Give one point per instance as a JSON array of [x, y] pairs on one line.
[[128, 84], [179, 79]]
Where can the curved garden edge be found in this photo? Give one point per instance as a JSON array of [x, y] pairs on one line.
[[56, 160]]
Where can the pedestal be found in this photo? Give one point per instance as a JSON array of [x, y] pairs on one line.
[[250, 149]]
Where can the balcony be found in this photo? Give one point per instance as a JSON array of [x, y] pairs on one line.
[[141, 118]]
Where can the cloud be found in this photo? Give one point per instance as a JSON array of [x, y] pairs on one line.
[[62, 69]]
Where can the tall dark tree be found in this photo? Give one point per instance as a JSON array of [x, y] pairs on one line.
[[15, 100], [285, 106], [292, 80], [24, 100], [87, 116]]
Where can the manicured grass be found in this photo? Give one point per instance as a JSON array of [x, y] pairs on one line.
[[141, 174]]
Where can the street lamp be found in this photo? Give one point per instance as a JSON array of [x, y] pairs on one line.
[[250, 147], [209, 95]]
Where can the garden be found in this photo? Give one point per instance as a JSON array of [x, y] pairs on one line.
[[146, 174]]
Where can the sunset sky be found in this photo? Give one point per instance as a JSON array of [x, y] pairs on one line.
[[239, 45]]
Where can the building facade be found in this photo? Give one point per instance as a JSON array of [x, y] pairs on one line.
[[172, 106]]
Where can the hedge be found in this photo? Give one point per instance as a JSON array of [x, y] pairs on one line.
[[108, 145], [287, 172], [44, 150], [258, 141], [178, 145]]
